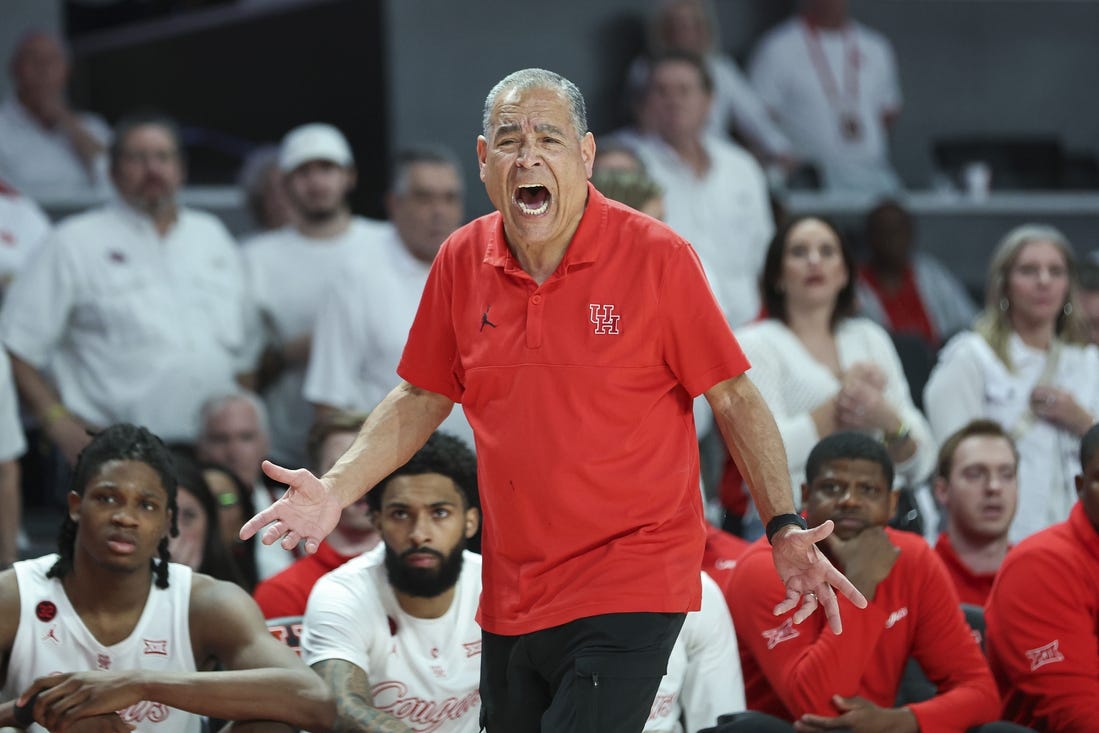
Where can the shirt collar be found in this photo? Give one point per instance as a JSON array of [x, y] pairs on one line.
[[584, 247]]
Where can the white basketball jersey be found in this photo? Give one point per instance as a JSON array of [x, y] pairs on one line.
[[426, 672], [52, 638]]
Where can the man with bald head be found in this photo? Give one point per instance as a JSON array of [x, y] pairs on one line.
[[575, 332], [46, 147]]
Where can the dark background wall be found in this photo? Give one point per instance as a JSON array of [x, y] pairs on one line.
[[396, 72]]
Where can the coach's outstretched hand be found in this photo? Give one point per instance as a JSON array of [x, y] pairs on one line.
[[307, 511], [809, 575]]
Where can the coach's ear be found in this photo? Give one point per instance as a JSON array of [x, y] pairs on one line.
[[473, 521]]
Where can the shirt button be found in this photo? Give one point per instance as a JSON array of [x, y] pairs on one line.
[[536, 299]]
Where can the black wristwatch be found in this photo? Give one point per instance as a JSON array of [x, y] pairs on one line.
[[781, 520]]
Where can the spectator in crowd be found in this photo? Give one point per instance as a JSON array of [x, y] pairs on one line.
[[690, 26], [324, 241], [975, 483], [234, 433], [574, 419], [1089, 296], [396, 628], [23, 226], [1043, 616], [286, 593], [715, 193], [831, 83], [135, 310], [1025, 365], [234, 503], [108, 634], [823, 681], [364, 321], [615, 155], [819, 367], [634, 189], [703, 680], [905, 290], [199, 543], [264, 193], [46, 147], [12, 445]]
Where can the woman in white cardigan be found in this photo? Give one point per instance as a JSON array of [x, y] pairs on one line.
[[1025, 365], [821, 369]]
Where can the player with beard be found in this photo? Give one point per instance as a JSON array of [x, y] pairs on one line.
[[395, 628]]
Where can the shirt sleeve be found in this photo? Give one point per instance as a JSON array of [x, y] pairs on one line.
[[770, 376], [337, 625], [699, 346], [38, 304], [1042, 641], [713, 684], [12, 442], [746, 108], [430, 358], [330, 378], [955, 390], [920, 464], [949, 655], [800, 662], [766, 71]]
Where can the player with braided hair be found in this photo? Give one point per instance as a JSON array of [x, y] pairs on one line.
[[96, 635]]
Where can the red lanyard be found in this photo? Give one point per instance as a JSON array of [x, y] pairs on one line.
[[824, 69]]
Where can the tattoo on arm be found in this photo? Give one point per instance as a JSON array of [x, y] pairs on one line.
[[355, 711]]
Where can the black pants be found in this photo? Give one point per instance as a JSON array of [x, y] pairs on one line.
[[593, 675]]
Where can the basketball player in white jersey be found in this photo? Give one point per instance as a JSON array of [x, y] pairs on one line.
[[105, 630], [396, 627]]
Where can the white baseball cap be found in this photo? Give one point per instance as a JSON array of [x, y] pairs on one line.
[[315, 141]]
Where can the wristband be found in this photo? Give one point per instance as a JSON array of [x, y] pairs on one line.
[[24, 714], [898, 437], [53, 413], [781, 520]]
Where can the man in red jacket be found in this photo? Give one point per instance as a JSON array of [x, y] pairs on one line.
[[975, 482], [808, 674], [1043, 616]]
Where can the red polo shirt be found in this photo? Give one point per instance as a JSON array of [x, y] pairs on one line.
[[579, 393]]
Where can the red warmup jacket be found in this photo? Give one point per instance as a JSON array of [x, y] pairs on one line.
[[1043, 628], [792, 670], [286, 593]]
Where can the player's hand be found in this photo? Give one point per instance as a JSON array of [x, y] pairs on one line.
[[307, 511], [809, 577], [68, 697], [859, 715]]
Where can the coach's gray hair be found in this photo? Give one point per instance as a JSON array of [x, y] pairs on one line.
[[539, 79]]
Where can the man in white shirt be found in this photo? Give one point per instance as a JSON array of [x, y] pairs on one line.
[[361, 328], [46, 148], [715, 193], [703, 680], [832, 84], [396, 628], [23, 226], [137, 307], [324, 240], [234, 433]]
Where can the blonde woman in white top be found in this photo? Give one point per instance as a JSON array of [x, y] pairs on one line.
[[1027, 366], [820, 368]]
